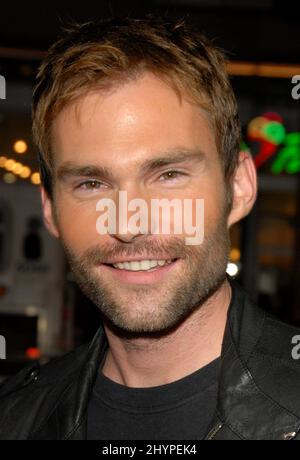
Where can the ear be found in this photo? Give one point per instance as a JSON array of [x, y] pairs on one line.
[[244, 188], [49, 213]]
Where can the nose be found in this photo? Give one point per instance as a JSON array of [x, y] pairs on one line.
[[132, 215], [126, 237]]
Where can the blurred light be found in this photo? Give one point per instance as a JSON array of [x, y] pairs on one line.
[[25, 173], [35, 178], [9, 178], [267, 69], [287, 159], [2, 290], [232, 269], [235, 255], [42, 325], [31, 311], [20, 146], [33, 353], [17, 169], [9, 164], [3, 160]]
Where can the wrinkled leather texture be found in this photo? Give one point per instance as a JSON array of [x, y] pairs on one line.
[[259, 384]]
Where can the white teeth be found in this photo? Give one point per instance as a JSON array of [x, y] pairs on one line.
[[146, 264], [135, 265], [141, 265]]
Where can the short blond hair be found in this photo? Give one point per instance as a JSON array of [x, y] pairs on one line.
[[107, 53]]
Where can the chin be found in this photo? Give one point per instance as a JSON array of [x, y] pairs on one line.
[[146, 325]]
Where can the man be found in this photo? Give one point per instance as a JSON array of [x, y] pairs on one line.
[[145, 107]]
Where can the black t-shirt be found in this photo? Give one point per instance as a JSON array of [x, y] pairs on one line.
[[179, 410]]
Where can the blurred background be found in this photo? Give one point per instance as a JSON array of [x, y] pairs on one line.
[[42, 312]]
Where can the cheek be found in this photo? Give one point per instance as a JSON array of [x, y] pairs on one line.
[[201, 208], [77, 225], [207, 207]]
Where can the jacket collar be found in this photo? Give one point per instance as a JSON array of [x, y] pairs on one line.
[[242, 408], [69, 419]]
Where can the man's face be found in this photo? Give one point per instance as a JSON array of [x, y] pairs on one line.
[[110, 142]]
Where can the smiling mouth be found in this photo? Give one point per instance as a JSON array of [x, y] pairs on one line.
[[144, 265]]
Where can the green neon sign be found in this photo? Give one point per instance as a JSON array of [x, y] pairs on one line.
[[288, 157], [269, 131]]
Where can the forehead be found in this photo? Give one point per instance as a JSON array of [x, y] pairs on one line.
[[142, 116]]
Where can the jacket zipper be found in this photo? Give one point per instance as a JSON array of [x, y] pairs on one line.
[[214, 431], [289, 436]]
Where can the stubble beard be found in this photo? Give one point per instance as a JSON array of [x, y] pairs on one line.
[[143, 310]]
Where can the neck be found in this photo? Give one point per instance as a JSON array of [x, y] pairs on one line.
[[147, 362]]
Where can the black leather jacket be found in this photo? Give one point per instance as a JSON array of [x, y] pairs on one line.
[[259, 390]]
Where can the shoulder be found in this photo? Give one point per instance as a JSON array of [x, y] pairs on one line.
[[274, 362], [44, 375], [268, 347], [277, 342], [28, 398]]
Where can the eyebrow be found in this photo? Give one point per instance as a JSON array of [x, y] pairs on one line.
[[71, 169], [173, 157]]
